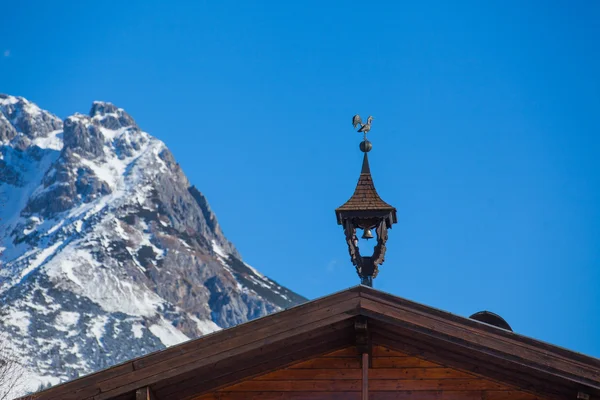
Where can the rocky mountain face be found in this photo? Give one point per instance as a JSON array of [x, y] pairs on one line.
[[108, 252]]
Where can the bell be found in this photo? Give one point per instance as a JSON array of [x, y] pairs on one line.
[[367, 234]]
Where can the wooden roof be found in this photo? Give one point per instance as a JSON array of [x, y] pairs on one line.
[[224, 358], [365, 196]]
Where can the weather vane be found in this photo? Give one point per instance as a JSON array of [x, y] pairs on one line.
[[364, 128], [366, 211]]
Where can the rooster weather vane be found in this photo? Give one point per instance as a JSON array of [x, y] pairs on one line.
[[365, 210], [364, 128]]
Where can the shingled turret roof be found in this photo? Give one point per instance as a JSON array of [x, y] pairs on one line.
[[365, 197]]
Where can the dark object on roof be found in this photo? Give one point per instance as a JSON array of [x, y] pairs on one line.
[[492, 319]]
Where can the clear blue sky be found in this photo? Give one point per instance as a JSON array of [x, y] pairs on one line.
[[486, 134]]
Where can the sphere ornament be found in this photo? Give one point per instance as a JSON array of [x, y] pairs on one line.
[[365, 146]]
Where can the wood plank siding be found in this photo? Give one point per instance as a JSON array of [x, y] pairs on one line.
[[392, 375]]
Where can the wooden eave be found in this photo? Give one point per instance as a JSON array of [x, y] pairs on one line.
[[299, 333]]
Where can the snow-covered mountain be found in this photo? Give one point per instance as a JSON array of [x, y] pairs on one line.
[[108, 252]]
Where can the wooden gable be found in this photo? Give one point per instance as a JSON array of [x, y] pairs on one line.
[[416, 352], [392, 375]]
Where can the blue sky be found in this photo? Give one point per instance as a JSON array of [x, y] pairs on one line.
[[486, 134]]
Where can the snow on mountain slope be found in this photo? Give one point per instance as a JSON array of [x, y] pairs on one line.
[[108, 252]]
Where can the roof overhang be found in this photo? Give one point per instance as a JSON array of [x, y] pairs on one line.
[[325, 324]]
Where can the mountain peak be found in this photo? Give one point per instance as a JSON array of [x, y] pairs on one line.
[[20, 116], [108, 251], [6, 99], [102, 108], [110, 116]]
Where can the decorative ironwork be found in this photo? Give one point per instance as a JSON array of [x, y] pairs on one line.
[[367, 211]]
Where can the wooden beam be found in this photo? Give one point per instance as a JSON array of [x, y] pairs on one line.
[[311, 395], [278, 335], [81, 388], [362, 335], [501, 359], [356, 373], [493, 342], [356, 385], [144, 393], [232, 371], [329, 363], [481, 328], [141, 370], [450, 358], [193, 389], [365, 376], [363, 338], [392, 395]]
